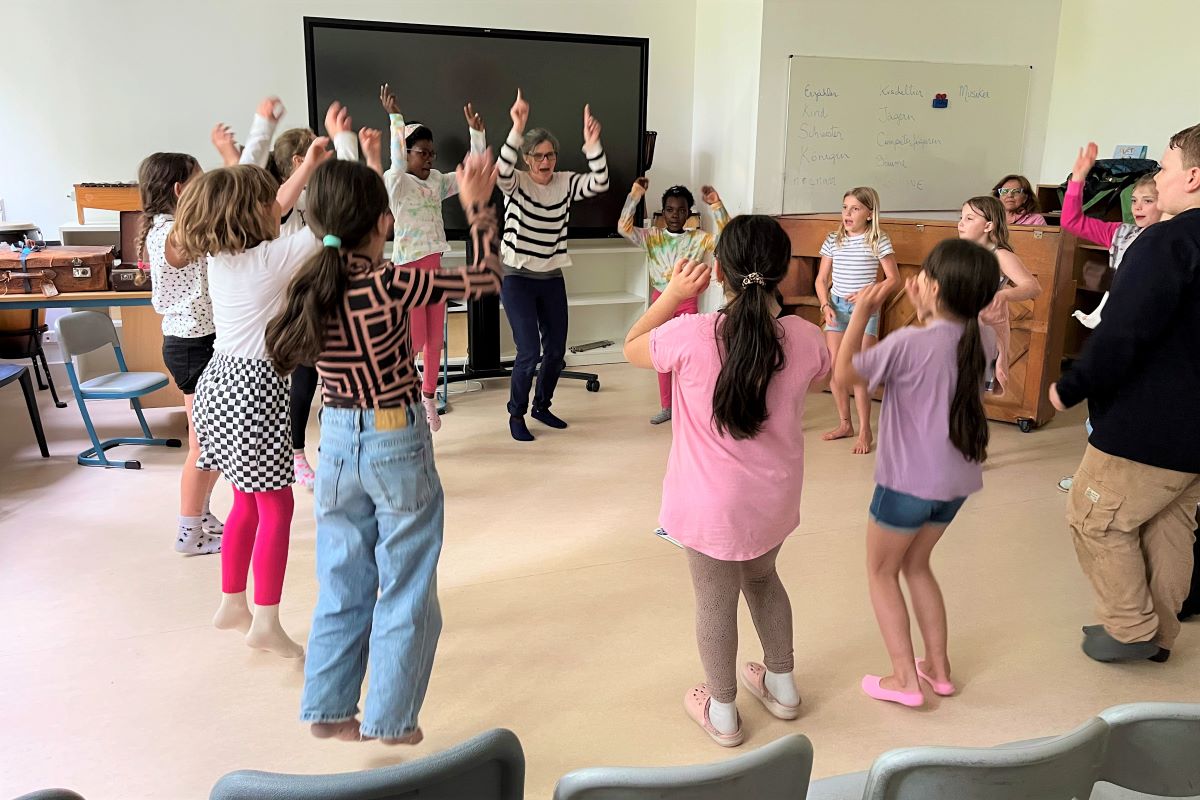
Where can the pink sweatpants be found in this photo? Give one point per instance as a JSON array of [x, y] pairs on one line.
[[427, 325], [258, 529], [690, 306]]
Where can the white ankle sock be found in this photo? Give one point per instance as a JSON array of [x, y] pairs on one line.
[[723, 716], [782, 687], [189, 523]]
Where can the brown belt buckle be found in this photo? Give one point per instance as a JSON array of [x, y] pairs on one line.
[[391, 419]]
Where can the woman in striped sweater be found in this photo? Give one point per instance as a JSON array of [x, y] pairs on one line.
[[537, 206]]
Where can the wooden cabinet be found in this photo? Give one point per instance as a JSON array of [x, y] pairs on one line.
[[1038, 326]]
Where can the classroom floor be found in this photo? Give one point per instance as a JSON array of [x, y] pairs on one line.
[[566, 620]]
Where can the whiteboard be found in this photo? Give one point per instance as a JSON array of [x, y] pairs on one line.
[[866, 122]]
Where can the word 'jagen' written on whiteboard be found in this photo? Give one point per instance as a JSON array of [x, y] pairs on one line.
[[861, 122]]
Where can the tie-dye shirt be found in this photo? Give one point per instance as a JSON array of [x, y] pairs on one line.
[[664, 248], [417, 204]]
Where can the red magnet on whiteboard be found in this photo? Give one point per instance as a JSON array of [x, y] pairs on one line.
[[940, 101]]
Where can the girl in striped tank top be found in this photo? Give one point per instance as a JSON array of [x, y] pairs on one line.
[[850, 261], [379, 502]]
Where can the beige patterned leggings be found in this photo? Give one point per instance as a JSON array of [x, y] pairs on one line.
[[717, 585]]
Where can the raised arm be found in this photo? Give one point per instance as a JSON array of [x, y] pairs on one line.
[[226, 143], [596, 181], [369, 139], [290, 191], [720, 215], [510, 151], [258, 144], [1073, 219], [478, 136], [625, 223]]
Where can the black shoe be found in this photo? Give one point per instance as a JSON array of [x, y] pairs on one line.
[[518, 429], [1188, 612], [1100, 646], [1161, 656], [544, 416]]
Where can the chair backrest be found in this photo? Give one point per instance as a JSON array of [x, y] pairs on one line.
[[490, 766], [84, 331], [1063, 768], [778, 771], [1154, 748], [51, 794]]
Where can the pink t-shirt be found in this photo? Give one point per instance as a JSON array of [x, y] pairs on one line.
[[727, 498]]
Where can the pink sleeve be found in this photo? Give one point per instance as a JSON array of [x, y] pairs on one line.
[[668, 342], [1073, 220]]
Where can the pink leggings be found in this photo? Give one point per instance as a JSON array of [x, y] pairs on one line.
[[689, 306], [427, 324], [257, 529]]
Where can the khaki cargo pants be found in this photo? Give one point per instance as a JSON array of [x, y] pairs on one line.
[[1133, 527]]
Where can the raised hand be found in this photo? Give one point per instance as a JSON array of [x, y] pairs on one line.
[[317, 152], [689, 278], [591, 127], [226, 143], [337, 119], [519, 113], [710, 195], [642, 183], [474, 118], [870, 298], [388, 100], [369, 140], [271, 108], [1084, 162], [476, 178]]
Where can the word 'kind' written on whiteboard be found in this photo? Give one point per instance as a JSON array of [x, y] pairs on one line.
[[926, 136]]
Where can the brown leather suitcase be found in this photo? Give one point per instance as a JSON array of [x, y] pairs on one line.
[[131, 279], [54, 270]]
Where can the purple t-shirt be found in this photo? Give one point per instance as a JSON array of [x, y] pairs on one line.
[[733, 499], [919, 367]]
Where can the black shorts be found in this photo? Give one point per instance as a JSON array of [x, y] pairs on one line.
[[187, 358]]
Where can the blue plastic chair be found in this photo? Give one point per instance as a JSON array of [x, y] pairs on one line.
[[83, 332]]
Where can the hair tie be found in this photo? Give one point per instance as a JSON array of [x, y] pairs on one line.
[[332, 241], [411, 128], [753, 277]]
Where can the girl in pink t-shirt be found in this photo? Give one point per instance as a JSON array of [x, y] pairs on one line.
[[933, 441], [731, 494]]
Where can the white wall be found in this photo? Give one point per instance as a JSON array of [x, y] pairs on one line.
[[120, 79], [1010, 32], [1122, 84]]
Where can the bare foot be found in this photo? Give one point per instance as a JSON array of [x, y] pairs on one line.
[[347, 731], [843, 431], [863, 445], [233, 614], [892, 683], [411, 738]]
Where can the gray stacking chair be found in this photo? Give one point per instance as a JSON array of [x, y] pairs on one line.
[[1153, 748], [51, 794], [490, 766], [1063, 768], [778, 771]]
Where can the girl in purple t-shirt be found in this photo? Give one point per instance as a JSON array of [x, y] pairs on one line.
[[731, 494], [933, 441]]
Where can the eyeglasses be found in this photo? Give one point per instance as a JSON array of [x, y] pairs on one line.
[[538, 158], [1002, 192], [423, 153]]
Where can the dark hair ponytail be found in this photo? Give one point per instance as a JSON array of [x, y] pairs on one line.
[[967, 276], [157, 175], [753, 254], [345, 199]]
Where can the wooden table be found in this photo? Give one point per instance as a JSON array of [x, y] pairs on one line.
[[141, 331]]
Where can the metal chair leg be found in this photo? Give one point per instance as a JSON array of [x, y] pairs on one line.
[[50, 380], [35, 416]]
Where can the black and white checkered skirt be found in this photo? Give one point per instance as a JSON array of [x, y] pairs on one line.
[[242, 423]]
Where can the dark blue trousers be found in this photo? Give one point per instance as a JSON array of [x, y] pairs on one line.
[[537, 313]]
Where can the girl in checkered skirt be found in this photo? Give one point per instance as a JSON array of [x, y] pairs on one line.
[[231, 216]]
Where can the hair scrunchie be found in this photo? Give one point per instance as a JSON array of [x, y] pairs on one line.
[[332, 241], [753, 277]]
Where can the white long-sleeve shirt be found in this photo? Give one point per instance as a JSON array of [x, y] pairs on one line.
[[417, 204], [535, 216]]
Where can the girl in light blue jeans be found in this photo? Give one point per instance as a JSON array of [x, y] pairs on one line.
[[379, 502]]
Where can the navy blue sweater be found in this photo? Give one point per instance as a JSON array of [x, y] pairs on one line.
[[1140, 368]]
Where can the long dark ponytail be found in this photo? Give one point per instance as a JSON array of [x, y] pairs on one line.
[[345, 199], [967, 276], [753, 254]]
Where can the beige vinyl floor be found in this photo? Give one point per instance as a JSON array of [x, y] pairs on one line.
[[566, 620]]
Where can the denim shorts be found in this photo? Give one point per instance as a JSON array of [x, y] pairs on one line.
[[904, 513], [842, 309]]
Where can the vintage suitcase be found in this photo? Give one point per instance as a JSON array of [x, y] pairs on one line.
[[130, 279], [54, 270]]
